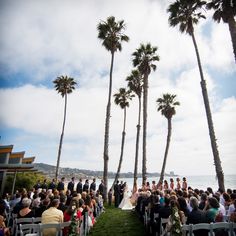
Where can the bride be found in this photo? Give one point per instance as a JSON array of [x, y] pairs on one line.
[[126, 203]]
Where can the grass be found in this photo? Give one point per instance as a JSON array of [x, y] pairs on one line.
[[116, 222]]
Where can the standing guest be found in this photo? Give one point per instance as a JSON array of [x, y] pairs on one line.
[[52, 185], [184, 184], [122, 187], [61, 185], [93, 185], [172, 186], [101, 188], [117, 193], [154, 185], [166, 185], [110, 197], [159, 185], [71, 185], [79, 187], [178, 186], [37, 185], [148, 187], [44, 184], [86, 186], [52, 215]]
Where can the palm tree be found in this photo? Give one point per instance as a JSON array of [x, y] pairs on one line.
[[225, 10], [111, 34], [186, 13], [167, 105], [63, 85], [122, 99], [135, 84], [144, 58]]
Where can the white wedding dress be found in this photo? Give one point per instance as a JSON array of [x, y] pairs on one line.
[[126, 203]]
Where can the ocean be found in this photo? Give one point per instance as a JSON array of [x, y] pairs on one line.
[[200, 182]]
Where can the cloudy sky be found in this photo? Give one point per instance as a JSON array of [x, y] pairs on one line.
[[41, 40]]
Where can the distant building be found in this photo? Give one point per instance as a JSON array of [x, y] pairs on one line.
[[172, 173]]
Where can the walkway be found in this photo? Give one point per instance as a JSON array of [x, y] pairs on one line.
[[115, 222]]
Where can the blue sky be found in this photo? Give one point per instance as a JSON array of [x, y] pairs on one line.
[[41, 40]]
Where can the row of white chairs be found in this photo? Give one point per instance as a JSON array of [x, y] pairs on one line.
[[37, 229], [229, 227]]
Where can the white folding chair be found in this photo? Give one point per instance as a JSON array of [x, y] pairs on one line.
[[29, 229], [22, 221]]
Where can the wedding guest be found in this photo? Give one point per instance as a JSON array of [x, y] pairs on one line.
[[172, 186], [154, 187], [71, 185], [101, 188], [79, 187], [25, 212], [61, 185], [117, 193], [183, 206], [52, 185], [184, 184], [44, 184], [178, 185], [211, 208], [37, 185], [196, 216], [93, 185], [166, 185], [86, 186], [52, 215], [203, 201], [110, 197]]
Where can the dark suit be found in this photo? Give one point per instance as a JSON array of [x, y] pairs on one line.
[[61, 186], [197, 216], [86, 187], [117, 194], [79, 188], [70, 186], [93, 186]]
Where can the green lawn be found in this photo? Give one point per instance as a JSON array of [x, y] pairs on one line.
[[114, 222]]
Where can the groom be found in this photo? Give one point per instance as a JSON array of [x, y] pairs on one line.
[[117, 193]]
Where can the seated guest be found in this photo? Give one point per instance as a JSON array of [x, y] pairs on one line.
[[25, 212], [196, 216], [212, 209], [176, 220], [203, 201], [44, 205], [183, 206], [52, 215]]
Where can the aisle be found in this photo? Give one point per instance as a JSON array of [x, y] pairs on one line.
[[115, 222]]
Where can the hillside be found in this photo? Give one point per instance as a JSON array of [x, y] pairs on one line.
[[67, 172]]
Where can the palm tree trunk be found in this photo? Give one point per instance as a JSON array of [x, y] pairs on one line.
[[137, 147], [232, 30], [61, 139], [145, 97], [106, 136], [121, 150], [217, 162], [166, 151]]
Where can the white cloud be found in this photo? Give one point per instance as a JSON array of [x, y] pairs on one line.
[[45, 40]]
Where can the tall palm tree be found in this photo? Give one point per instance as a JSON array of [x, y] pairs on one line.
[[63, 85], [166, 104], [111, 34], [122, 99], [144, 58], [135, 84], [186, 13], [225, 10]]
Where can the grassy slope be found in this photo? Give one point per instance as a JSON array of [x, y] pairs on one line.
[[116, 222]]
